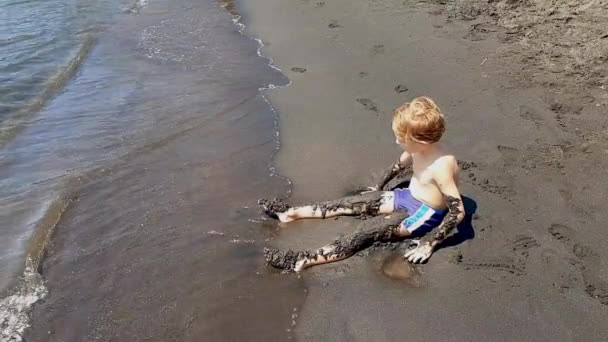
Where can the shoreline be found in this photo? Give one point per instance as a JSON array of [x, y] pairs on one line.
[[344, 62], [237, 19], [172, 219]]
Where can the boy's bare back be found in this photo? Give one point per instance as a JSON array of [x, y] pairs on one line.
[[428, 172]]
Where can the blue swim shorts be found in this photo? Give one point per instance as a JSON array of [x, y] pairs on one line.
[[422, 218]]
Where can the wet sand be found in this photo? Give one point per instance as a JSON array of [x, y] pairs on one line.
[[162, 239], [533, 152]]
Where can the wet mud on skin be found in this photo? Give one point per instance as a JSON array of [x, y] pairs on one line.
[[384, 230], [285, 260], [450, 221], [362, 205], [273, 206], [368, 233], [396, 170], [380, 229]]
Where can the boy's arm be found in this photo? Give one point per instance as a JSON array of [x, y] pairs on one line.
[[447, 184], [401, 164]]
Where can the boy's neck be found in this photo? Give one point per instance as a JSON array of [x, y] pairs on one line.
[[428, 150]]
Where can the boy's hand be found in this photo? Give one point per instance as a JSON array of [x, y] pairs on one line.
[[405, 160], [420, 253]]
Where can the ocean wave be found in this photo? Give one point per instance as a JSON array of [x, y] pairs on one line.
[[19, 119], [17, 305]]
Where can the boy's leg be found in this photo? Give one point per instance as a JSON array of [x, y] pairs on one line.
[[380, 229], [370, 203]]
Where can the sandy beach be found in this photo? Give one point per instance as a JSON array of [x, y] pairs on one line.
[[130, 188], [523, 88]]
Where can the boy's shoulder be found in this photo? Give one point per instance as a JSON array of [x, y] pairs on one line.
[[445, 163]]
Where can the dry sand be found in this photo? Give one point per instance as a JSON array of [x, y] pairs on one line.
[[525, 100]]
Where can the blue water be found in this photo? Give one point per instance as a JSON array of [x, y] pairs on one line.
[[38, 39], [124, 128], [42, 46]]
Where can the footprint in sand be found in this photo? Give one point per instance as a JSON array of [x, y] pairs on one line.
[[561, 232], [522, 244], [588, 261], [465, 165], [562, 110], [401, 88], [368, 104], [565, 235], [502, 264], [531, 115], [506, 192], [468, 168], [509, 154], [513, 262], [560, 275], [378, 49], [334, 24]]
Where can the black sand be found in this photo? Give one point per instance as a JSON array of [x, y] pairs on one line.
[[524, 91]]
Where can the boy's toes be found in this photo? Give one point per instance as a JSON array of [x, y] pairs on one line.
[[299, 266], [275, 258], [273, 207], [268, 254], [284, 217], [265, 204], [285, 260]]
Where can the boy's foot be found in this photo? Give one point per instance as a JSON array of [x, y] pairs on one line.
[[289, 260], [299, 266], [276, 209]]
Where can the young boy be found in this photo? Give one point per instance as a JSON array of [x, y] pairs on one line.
[[431, 202]]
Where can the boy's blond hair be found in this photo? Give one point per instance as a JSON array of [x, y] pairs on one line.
[[420, 120]]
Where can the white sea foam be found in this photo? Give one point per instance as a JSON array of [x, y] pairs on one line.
[[241, 28], [137, 6], [15, 308], [242, 241]]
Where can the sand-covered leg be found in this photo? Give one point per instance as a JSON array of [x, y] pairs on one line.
[[366, 204], [379, 229]]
